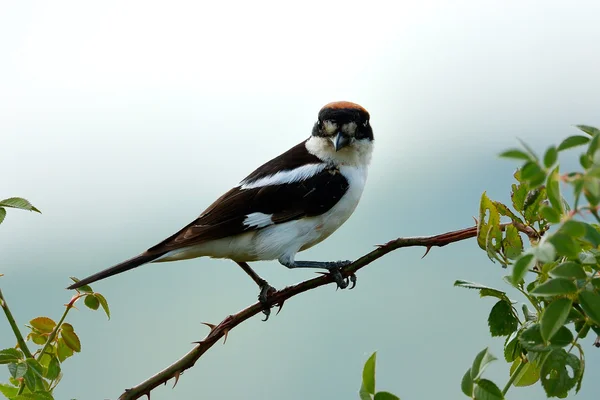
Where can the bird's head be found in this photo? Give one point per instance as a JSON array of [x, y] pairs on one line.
[[345, 125]]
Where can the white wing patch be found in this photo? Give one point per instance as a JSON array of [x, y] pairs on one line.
[[283, 177], [258, 220]]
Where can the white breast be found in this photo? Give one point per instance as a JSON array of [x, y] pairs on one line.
[[283, 241]]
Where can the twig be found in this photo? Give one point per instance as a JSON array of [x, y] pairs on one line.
[[13, 325], [278, 298], [513, 377]]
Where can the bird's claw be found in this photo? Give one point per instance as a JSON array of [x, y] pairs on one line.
[[341, 281], [266, 290], [353, 280]]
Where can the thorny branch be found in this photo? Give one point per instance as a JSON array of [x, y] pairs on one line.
[[279, 297]]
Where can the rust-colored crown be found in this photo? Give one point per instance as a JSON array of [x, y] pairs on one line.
[[338, 105]]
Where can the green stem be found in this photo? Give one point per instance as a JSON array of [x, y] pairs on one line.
[[533, 303], [15, 328], [54, 332], [577, 338], [512, 378]]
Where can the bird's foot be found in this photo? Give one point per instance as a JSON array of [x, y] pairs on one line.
[[335, 270], [266, 291]]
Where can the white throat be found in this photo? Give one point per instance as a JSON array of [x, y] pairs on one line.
[[357, 154]]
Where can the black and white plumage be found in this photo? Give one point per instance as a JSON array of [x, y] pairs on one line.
[[287, 205]]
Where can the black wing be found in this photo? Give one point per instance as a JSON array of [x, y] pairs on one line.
[[286, 202]]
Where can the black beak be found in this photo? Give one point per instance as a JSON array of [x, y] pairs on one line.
[[341, 141]]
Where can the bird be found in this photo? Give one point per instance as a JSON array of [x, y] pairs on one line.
[[287, 205]]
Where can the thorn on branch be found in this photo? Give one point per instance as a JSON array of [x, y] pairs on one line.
[[426, 251], [225, 333], [280, 306], [176, 376], [211, 326]]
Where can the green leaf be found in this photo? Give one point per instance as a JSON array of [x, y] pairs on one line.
[[574, 228], [63, 351], [504, 210], [37, 338], [17, 202], [593, 172], [466, 385], [518, 195], [521, 267], [369, 374], [363, 394], [585, 160], [17, 370], [553, 287], [550, 157], [554, 317], [43, 324], [2, 214], [512, 348], [33, 376], [103, 303], [529, 375], [553, 190], [8, 391], [590, 130], [512, 244], [92, 302], [67, 327], [34, 396], [481, 361], [483, 290], [564, 244], [531, 339], [385, 396], [591, 190], [533, 174], [35, 366], [10, 355], [53, 369], [570, 270], [550, 214], [533, 203], [487, 390], [593, 146], [515, 154], [592, 235], [502, 321], [71, 339], [555, 376], [590, 302], [562, 338], [489, 236], [573, 141]]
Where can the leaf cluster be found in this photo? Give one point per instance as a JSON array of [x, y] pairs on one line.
[[35, 375], [558, 275]]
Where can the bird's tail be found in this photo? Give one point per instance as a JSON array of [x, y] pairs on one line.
[[117, 269]]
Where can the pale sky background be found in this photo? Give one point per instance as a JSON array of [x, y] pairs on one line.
[[122, 121]]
